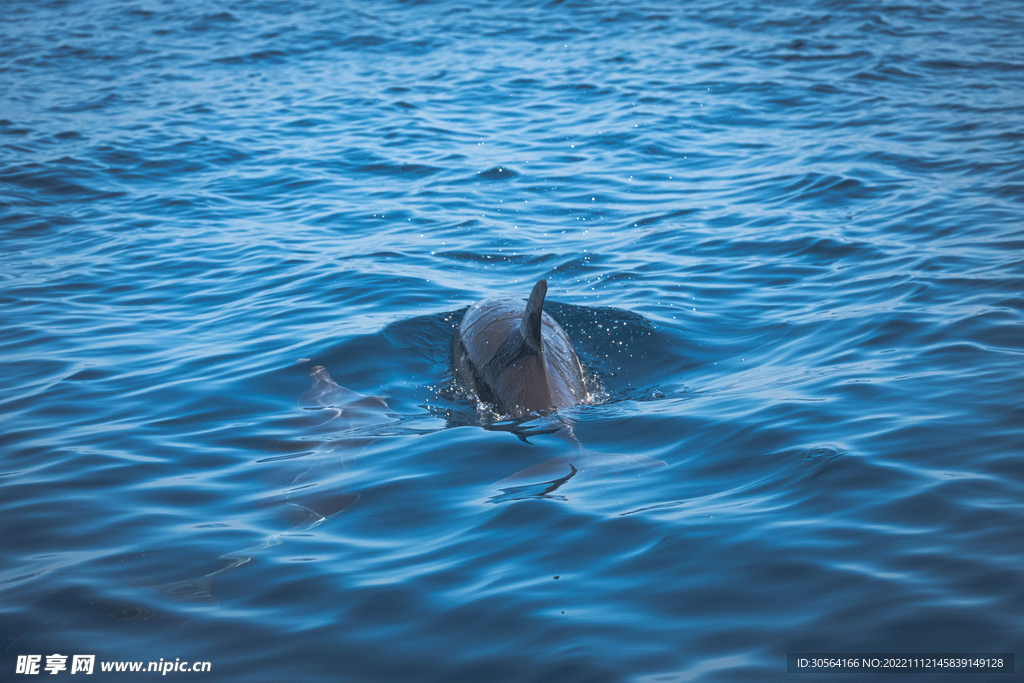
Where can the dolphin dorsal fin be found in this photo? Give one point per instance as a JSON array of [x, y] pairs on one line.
[[531, 324]]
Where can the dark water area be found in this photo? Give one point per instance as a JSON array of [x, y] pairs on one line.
[[786, 239]]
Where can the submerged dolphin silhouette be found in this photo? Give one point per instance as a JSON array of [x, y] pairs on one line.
[[512, 354]]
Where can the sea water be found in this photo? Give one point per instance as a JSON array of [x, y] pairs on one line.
[[786, 239]]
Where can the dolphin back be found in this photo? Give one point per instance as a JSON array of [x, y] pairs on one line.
[[512, 354]]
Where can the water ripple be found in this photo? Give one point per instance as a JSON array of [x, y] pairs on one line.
[[784, 240]]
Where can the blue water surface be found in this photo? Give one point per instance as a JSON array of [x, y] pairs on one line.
[[787, 240]]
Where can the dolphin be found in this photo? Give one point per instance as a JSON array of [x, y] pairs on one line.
[[324, 392], [508, 353], [512, 354]]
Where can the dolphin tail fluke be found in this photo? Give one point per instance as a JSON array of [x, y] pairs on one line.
[[531, 324]]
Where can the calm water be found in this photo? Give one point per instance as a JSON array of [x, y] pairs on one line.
[[787, 242]]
